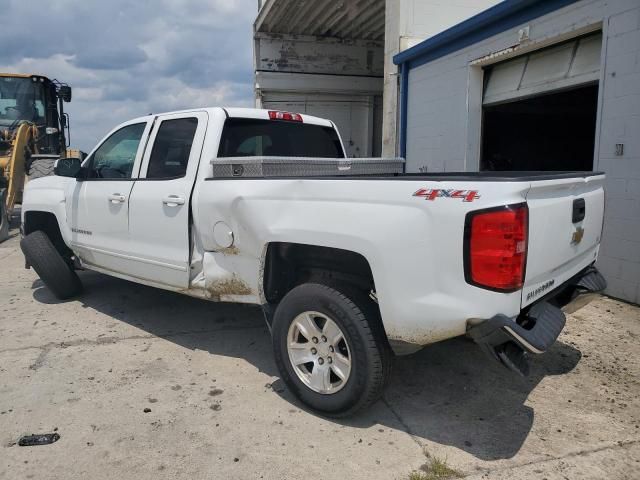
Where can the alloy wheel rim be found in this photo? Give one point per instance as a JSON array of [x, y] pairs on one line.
[[319, 352]]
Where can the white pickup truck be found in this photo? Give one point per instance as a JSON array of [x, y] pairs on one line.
[[350, 267]]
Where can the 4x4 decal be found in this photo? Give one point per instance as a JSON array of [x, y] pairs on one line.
[[433, 193]]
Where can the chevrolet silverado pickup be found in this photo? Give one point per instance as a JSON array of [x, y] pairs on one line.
[[352, 260]]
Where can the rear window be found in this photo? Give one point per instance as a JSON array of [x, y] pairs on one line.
[[246, 137]]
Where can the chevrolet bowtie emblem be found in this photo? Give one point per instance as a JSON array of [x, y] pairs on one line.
[[577, 235]]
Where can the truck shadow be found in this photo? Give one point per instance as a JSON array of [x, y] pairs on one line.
[[450, 393]]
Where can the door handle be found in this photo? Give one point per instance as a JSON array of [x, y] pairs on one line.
[[173, 200], [117, 198]]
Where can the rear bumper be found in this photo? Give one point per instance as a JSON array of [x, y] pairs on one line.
[[580, 290], [509, 339]]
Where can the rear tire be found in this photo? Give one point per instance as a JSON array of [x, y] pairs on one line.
[[362, 359], [41, 167], [52, 269]]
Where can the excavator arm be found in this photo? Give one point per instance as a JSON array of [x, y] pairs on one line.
[[12, 169]]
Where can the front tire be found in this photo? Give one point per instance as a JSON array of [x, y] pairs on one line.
[[52, 269], [330, 348]]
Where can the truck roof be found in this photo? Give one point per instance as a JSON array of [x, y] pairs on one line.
[[237, 112]]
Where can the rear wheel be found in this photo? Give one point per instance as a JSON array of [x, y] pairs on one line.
[[52, 269], [330, 349]]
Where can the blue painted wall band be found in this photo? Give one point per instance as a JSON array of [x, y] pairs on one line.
[[404, 96]]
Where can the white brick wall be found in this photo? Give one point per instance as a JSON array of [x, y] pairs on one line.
[[406, 23], [620, 123], [444, 119]]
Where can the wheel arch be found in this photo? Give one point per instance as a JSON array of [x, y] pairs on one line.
[[48, 223], [289, 264]]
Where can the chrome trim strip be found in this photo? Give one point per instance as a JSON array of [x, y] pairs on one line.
[[131, 257]]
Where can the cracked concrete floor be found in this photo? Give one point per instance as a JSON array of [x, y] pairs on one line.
[[90, 367]]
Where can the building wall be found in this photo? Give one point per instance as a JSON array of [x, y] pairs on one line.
[[310, 54], [620, 123], [426, 18], [340, 79], [408, 22], [390, 87], [445, 111]]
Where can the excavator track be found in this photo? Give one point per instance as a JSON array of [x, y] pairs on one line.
[[41, 167]]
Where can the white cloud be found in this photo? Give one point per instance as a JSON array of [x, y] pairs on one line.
[[125, 59]]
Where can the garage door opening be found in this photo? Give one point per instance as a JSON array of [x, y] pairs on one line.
[[539, 109], [549, 132]]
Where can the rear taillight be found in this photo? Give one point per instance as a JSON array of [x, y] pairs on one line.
[[495, 247], [288, 116]]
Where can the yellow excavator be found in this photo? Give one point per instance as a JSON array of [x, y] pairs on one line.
[[34, 131]]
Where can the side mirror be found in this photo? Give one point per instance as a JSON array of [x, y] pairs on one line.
[[68, 167], [64, 92]]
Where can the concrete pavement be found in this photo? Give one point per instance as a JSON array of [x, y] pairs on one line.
[[88, 368]]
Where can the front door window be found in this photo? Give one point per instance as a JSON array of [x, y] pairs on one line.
[[114, 159]]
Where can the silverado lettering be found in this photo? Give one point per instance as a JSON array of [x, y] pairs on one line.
[[542, 288]]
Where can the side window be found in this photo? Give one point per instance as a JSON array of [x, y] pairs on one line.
[[117, 154], [171, 148]]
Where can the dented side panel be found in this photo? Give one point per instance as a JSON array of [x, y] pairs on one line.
[[226, 277], [413, 245]]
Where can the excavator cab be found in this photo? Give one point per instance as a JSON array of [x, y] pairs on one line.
[[34, 133]]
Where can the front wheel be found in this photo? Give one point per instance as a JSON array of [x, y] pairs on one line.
[[330, 348], [52, 269]]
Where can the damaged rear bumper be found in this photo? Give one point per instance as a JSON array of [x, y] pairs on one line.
[[509, 339]]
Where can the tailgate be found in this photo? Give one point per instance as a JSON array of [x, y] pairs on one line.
[[561, 243]]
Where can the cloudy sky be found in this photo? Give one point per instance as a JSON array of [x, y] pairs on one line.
[[126, 58]]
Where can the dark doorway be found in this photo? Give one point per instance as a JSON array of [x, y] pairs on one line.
[[555, 131]]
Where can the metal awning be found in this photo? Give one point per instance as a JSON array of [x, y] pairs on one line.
[[348, 19]]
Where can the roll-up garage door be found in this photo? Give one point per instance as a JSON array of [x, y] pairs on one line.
[[559, 67], [539, 110]]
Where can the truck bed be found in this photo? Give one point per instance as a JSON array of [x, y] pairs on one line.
[[411, 226]]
